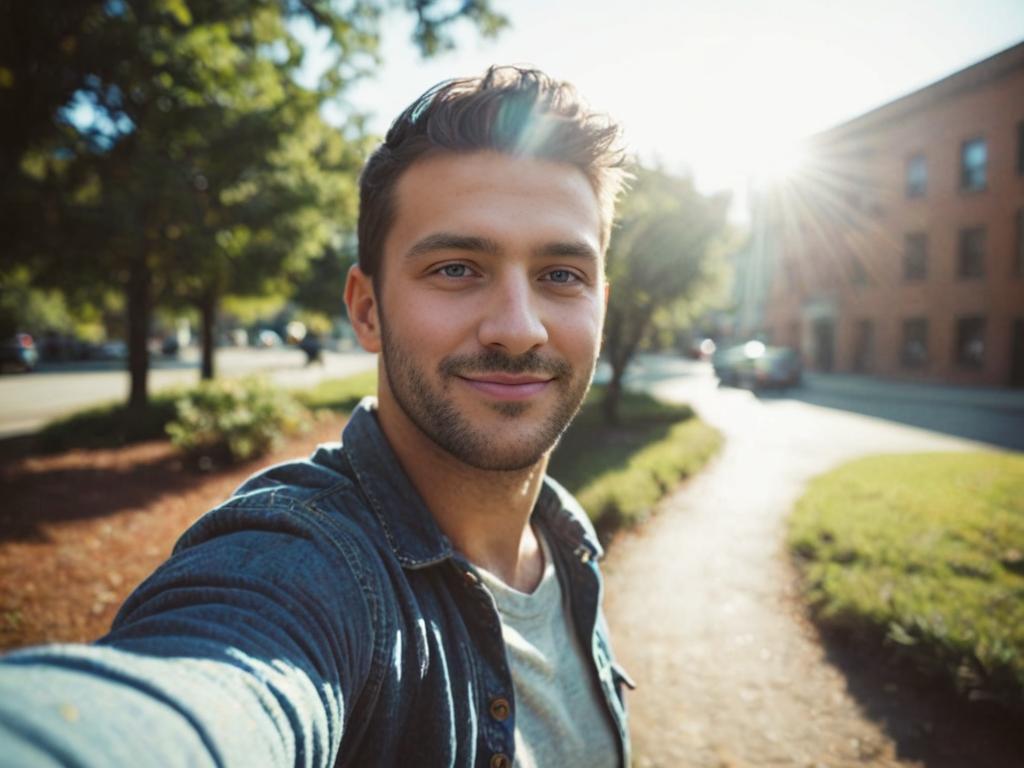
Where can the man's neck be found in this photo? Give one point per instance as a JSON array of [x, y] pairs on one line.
[[486, 514]]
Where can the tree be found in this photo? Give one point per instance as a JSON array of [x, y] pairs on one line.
[[171, 151], [662, 260]]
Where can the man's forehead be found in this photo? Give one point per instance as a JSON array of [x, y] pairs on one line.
[[462, 192], [447, 241]]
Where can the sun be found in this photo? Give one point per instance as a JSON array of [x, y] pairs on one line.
[[776, 162]]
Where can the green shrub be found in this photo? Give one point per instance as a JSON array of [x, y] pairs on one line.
[[109, 426], [233, 420], [923, 554]]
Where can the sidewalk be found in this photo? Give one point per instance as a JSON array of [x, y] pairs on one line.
[[705, 609], [868, 387]]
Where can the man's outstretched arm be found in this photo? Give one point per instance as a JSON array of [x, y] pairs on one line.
[[246, 648]]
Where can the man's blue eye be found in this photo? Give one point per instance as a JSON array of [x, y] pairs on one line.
[[454, 270], [561, 276]]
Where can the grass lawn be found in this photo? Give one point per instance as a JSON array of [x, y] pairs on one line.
[[339, 394], [618, 473], [924, 553]]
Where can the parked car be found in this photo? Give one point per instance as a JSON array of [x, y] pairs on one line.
[[268, 338], [18, 352], [112, 350], [754, 364]]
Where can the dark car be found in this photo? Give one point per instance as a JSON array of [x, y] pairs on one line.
[[754, 364], [18, 352]]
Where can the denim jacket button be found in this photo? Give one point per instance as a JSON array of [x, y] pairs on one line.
[[500, 709], [500, 760]]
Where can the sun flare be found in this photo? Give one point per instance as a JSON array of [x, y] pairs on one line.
[[776, 162]]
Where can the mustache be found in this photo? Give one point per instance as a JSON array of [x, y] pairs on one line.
[[492, 361]]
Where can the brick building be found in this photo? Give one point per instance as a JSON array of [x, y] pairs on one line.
[[898, 249]]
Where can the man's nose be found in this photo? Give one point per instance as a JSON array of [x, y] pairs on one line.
[[512, 320]]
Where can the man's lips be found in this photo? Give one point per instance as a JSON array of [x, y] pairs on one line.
[[508, 386]]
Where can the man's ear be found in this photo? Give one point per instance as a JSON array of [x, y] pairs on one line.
[[361, 301]]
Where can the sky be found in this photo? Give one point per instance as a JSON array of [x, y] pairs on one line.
[[722, 89]]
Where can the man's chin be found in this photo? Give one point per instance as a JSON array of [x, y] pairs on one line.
[[498, 460], [511, 440]]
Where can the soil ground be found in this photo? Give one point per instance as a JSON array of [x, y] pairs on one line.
[[79, 530]]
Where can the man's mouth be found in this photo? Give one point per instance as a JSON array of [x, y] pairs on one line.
[[508, 386]]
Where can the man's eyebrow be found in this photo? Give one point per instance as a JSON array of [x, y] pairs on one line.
[[450, 241], [572, 249]]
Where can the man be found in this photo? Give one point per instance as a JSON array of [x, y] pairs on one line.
[[422, 593]]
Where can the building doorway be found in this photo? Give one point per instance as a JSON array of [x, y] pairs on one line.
[[824, 331], [1017, 354]]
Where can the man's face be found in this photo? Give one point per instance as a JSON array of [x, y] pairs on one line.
[[491, 301]]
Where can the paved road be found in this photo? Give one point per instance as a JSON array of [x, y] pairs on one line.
[[27, 401], [703, 608]]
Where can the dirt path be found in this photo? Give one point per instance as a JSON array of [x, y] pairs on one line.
[[704, 613]]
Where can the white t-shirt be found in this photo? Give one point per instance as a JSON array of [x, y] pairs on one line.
[[560, 714]]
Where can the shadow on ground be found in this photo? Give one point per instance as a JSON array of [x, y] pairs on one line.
[[50, 490], [923, 716], [999, 427]]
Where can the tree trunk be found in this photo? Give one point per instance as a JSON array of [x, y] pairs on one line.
[[613, 394], [208, 314], [140, 311], [621, 344]]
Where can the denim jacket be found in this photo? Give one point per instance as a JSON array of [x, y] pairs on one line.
[[318, 617]]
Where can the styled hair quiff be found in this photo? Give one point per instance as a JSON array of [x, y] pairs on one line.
[[518, 111]]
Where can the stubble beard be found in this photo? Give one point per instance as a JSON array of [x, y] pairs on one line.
[[430, 406]]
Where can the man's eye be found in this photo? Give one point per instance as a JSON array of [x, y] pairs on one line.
[[562, 276], [454, 270]]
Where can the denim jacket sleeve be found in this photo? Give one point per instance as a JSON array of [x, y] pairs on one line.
[[250, 646]]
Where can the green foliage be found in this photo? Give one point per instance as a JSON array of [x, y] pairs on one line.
[[197, 163], [924, 553], [340, 394], [320, 290], [23, 307], [664, 264], [233, 420], [618, 473], [108, 426]]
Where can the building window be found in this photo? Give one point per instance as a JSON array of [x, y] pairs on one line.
[[915, 256], [864, 346], [858, 272], [917, 176], [973, 164], [914, 353], [970, 261], [970, 342]]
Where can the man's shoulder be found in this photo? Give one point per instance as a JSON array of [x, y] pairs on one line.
[[298, 481], [306, 497]]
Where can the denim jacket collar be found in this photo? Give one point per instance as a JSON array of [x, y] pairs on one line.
[[409, 526]]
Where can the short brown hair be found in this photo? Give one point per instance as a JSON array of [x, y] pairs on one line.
[[510, 109]]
